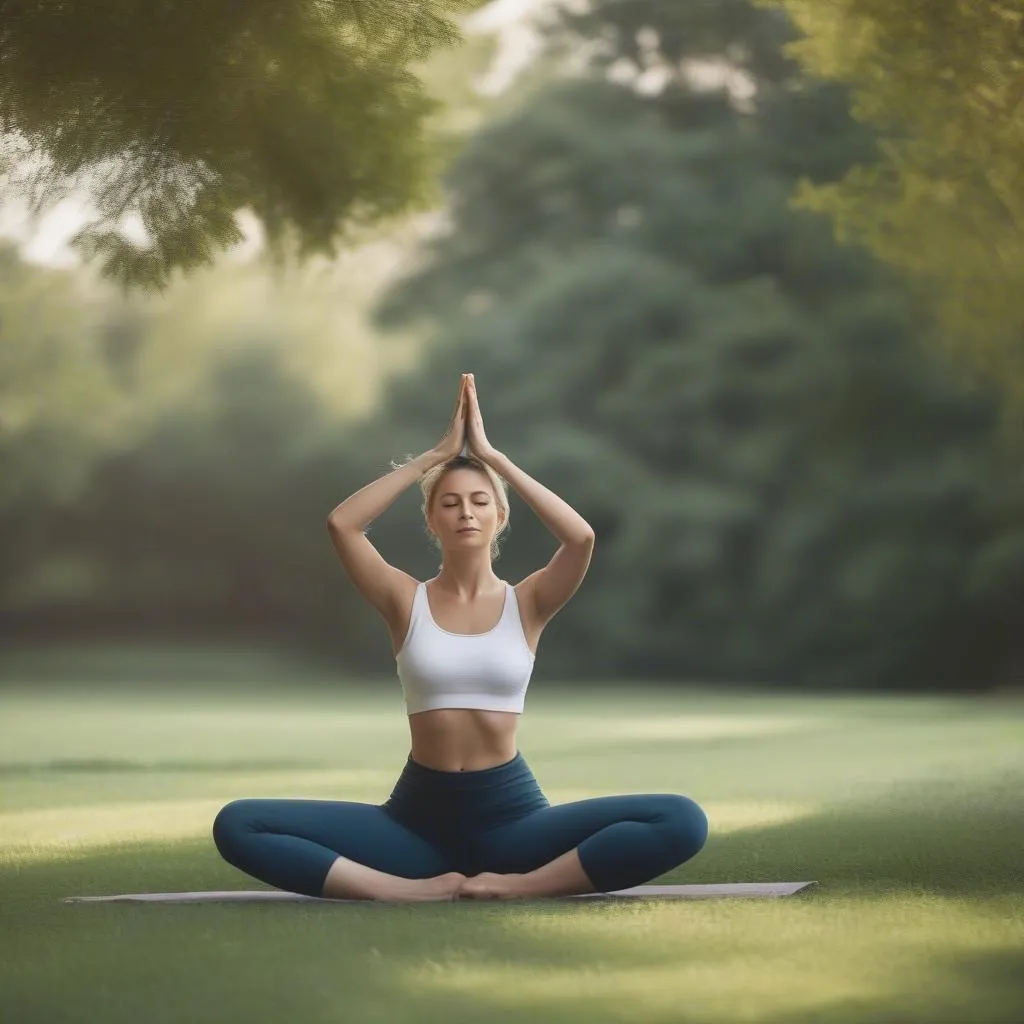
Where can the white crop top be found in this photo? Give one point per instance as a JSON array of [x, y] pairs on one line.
[[488, 670]]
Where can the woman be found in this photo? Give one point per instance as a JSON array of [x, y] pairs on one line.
[[466, 818]]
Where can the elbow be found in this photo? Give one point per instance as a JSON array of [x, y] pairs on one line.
[[337, 524]]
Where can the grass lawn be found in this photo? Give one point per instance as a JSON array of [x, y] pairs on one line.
[[908, 812]]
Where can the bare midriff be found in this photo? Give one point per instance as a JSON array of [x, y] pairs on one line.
[[463, 739]]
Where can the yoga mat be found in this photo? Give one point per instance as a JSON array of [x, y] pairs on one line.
[[671, 892]]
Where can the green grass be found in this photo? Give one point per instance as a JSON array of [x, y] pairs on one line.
[[907, 811]]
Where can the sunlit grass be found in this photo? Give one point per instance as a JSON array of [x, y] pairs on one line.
[[873, 954], [906, 811]]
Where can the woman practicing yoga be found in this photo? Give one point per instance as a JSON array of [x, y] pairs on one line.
[[466, 818]]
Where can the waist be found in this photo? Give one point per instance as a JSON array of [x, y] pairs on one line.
[[463, 739], [438, 802]]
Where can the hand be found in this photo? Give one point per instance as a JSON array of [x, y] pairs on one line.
[[455, 439], [478, 443]]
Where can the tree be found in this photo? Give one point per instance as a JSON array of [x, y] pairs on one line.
[[60, 402], [182, 114], [942, 82], [784, 486]]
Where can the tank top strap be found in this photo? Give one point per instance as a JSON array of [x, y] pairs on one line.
[[419, 599], [416, 613], [510, 610]]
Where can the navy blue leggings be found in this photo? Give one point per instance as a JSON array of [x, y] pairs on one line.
[[496, 819]]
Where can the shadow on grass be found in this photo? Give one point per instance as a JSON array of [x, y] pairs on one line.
[[966, 988]]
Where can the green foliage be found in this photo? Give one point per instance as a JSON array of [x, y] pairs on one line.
[[60, 402], [211, 522], [784, 486], [654, 34], [181, 113], [943, 196], [135, 434]]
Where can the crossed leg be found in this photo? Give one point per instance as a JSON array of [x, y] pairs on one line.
[[596, 845], [344, 848], [333, 848]]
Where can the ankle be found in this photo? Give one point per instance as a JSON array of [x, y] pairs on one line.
[[347, 879]]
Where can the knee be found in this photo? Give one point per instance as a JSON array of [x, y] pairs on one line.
[[685, 823], [231, 819]]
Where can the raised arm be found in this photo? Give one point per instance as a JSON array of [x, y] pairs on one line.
[[377, 580], [549, 588], [370, 502], [557, 515]]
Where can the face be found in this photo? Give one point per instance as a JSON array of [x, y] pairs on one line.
[[464, 498]]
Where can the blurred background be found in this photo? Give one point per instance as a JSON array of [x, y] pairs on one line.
[[740, 281], [798, 452]]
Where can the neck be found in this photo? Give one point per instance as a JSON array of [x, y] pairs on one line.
[[466, 574]]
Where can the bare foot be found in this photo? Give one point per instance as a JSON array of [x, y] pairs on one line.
[[490, 886], [423, 890]]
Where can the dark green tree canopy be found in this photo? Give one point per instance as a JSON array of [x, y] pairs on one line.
[[184, 113], [785, 487], [783, 483]]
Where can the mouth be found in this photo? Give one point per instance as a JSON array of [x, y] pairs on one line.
[[468, 529]]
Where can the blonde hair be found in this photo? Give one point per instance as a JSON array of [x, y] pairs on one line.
[[429, 481]]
